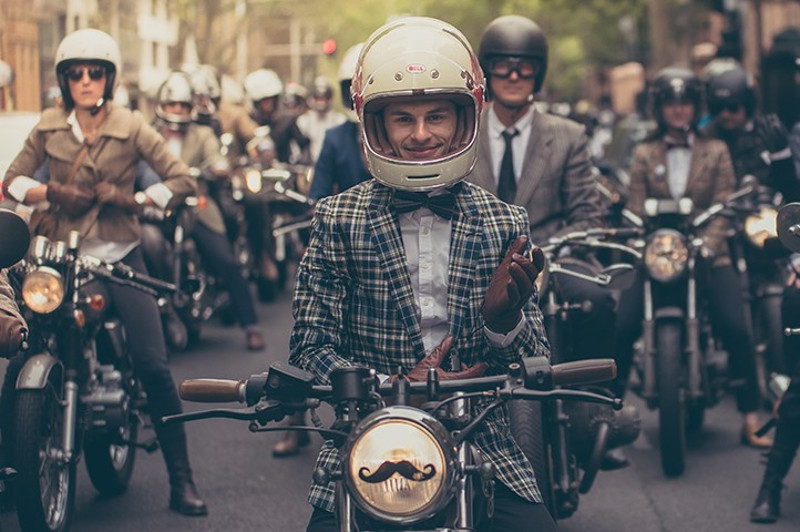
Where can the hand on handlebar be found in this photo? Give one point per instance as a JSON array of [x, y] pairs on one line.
[[73, 199], [511, 287], [420, 372], [11, 334], [112, 194]]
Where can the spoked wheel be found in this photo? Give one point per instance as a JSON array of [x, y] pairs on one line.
[[45, 484], [109, 459], [671, 398], [528, 428]]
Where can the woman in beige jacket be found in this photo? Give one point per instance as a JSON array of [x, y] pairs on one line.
[[92, 149]]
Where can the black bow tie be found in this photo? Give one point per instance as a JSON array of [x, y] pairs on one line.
[[443, 204], [673, 142]]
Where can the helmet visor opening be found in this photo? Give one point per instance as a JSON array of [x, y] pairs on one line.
[[422, 129]]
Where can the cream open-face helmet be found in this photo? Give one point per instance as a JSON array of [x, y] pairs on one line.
[[177, 88], [418, 58], [88, 46]]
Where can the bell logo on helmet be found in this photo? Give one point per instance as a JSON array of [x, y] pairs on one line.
[[415, 68]]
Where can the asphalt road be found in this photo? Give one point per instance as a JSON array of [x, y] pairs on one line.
[[248, 490]]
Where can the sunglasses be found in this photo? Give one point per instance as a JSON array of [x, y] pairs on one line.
[[730, 107], [95, 73], [502, 67]]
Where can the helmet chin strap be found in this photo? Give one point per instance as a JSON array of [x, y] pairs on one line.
[[99, 105]]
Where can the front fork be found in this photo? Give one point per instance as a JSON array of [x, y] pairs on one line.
[[561, 456], [693, 350]]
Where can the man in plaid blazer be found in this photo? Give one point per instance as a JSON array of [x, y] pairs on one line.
[[415, 261]]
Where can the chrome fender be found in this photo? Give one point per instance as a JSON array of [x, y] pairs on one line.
[[37, 371]]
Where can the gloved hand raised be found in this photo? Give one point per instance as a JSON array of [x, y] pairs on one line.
[[420, 372], [511, 287], [113, 195], [73, 199], [10, 334]]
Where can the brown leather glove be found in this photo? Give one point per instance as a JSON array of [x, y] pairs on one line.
[[73, 199], [434, 360], [511, 287], [113, 195], [10, 334]]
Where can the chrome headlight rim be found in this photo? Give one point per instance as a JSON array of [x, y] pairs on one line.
[[679, 268], [761, 225], [36, 274], [425, 422]]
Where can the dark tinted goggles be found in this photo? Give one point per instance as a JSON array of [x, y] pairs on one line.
[[502, 67], [95, 73], [732, 107]]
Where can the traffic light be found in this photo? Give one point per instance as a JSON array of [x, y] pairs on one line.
[[329, 46]]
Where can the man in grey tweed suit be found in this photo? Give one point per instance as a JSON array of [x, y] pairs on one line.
[[414, 261], [541, 162]]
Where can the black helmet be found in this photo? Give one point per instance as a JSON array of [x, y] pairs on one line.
[[732, 87], [675, 84], [514, 36]]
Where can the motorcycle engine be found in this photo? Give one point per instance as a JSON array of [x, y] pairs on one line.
[[108, 404]]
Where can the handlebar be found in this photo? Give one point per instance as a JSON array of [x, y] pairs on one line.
[[127, 275], [538, 377]]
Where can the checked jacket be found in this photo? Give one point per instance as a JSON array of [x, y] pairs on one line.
[[354, 305]]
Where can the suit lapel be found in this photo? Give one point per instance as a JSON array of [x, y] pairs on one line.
[[658, 176], [535, 160], [697, 168], [466, 245], [388, 243]]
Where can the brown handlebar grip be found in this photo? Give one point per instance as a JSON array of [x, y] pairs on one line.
[[212, 390], [584, 371]]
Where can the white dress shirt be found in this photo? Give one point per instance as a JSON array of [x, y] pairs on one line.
[[679, 161], [497, 144], [426, 238]]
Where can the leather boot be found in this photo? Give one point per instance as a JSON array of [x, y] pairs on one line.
[[183, 496], [175, 332], [292, 440], [767, 506]]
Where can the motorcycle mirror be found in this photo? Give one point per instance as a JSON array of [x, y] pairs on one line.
[[789, 226], [16, 238], [621, 276]]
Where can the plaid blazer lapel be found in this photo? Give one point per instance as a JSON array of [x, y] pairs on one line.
[[658, 176], [385, 235], [466, 246]]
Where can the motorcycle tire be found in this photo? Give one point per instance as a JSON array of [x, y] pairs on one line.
[[671, 398], [109, 463], [528, 429], [44, 488]]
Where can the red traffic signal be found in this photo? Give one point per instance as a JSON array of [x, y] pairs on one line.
[[329, 46]]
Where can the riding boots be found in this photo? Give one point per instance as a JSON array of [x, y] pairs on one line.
[[767, 506], [183, 496]]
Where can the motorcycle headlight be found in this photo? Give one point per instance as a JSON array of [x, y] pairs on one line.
[[43, 290], [252, 180], [760, 226], [399, 466], [666, 255]]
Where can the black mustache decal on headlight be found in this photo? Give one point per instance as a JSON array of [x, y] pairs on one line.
[[404, 467]]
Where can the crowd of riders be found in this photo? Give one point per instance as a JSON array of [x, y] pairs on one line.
[[93, 166]]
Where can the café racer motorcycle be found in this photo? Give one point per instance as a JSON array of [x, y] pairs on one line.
[[403, 468], [76, 394]]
